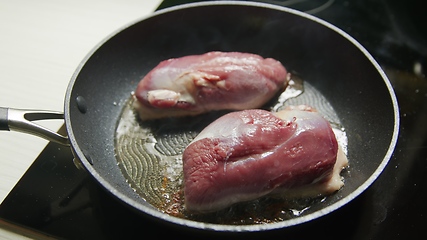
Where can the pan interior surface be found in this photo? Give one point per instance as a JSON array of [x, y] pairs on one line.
[[326, 58], [150, 156]]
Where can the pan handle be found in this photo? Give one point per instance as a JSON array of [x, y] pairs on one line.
[[21, 120]]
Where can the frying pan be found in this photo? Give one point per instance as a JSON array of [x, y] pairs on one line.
[[330, 60]]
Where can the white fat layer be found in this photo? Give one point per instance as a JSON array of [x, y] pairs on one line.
[[162, 94]]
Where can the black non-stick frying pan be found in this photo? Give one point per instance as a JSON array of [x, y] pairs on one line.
[[322, 55]]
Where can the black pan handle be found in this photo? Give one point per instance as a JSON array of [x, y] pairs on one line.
[[21, 120]]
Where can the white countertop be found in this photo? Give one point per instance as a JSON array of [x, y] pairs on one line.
[[41, 44]]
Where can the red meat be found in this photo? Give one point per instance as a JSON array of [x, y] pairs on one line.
[[248, 154], [195, 84]]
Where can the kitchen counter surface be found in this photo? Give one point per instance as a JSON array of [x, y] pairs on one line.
[[41, 45]]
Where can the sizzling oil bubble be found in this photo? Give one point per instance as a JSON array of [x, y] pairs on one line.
[[294, 89], [297, 212], [150, 156]]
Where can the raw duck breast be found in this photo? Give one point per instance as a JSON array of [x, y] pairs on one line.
[[248, 154], [196, 84]]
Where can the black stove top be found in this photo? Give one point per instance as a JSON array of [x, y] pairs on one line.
[[55, 199]]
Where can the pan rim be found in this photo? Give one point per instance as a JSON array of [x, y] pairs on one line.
[[220, 227]]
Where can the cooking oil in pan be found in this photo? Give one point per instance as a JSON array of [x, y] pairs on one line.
[[149, 155]]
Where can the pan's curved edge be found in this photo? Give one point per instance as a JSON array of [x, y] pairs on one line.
[[231, 228]]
